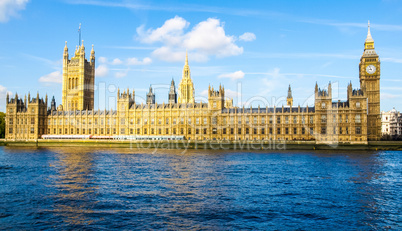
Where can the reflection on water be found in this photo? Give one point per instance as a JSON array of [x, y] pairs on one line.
[[78, 188], [75, 191]]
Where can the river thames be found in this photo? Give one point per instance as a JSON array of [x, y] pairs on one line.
[[82, 188]]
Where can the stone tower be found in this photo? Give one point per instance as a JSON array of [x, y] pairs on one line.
[[289, 99], [78, 80], [186, 87], [172, 93], [369, 74], [150, 96]]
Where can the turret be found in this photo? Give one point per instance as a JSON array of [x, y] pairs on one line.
[[53, 105], [289, 99], [172, 93], [150, 96], [8, 98], [92, 57]]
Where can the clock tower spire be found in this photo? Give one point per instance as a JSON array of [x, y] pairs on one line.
[[369, 76]]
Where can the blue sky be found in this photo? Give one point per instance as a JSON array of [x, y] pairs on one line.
[[254, 48]]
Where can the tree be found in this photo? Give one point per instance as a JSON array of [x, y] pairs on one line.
[[2, 124]]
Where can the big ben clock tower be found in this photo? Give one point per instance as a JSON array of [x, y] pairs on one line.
[[369, 74]]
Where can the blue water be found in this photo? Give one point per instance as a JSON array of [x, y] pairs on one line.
[[79, 188]]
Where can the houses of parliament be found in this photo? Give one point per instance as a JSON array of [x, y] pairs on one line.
[[356, 120]]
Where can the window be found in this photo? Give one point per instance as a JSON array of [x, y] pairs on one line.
[[323, 105], [323, 118], [278, 120], [138, 131], [270, 120], [247, 120], [239, 131], [214, 120], [303, 131], [197, 131], [278, 131], [174, 131], [311, 119], [323, 130], [10, 130], [122, 122], [247, 131], [286, 119], [167, 120], [33, 120], [167, 131], [32, 130], [358, 119], [83, 131], [358, 131], [174, 121], [152, 131], [159, 131], [346, 119], [303, 120], [159, 121], [255, 120], [263, 131], [340, 130], [205, 120], [294, 119], [214, 104], [145, 131], [270, 131], [83, 122], [231, 131], [205, 131], [114, 131], [224, 131], [255, 131], [294, 131], [152, 121], [189, 131], [96, 131], [197, 120], [286, 131], [231, 120], [357, 104], [263, 120], [145, 121]]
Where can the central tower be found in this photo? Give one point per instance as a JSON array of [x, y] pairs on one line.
[[369, 75], [186, 87], [78, 80]]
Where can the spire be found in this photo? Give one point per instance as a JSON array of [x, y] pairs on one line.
[[369, 43], [65, 47], [290, 92], [186, 63], [369, 38], [92, 51]]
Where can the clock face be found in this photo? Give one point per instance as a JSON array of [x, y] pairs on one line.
[[370, 69]]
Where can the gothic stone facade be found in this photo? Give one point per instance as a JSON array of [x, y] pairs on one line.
[[353, 121]]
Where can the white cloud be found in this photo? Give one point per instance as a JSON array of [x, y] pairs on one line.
[[120, 74], [248, 37], [10, 8], [207, 38], [233, 76], [54, 77], [135, 61], [101, 71], [102, 60], [116, 61], [170, 32]]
